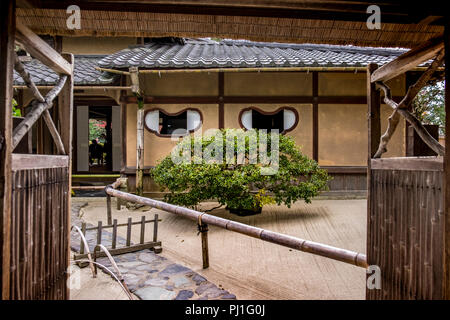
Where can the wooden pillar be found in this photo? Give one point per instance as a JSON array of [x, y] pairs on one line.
[[221, 104], [65, 114], [446, 180], [123, 118], [374, 135], [7, 30], [315, 112], [140, 150]]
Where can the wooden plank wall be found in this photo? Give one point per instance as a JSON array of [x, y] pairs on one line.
[[39, 233], [406, 225]]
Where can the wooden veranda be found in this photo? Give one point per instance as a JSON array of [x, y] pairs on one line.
[[408, 198]]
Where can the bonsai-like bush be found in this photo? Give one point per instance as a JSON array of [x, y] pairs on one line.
[[242, 183]]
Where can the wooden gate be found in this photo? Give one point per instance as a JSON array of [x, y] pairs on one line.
[[39, 227], [406, 227]]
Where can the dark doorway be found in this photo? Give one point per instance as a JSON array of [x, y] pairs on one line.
[[100, 139]]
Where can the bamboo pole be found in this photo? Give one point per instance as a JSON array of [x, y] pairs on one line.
[[343, 255]]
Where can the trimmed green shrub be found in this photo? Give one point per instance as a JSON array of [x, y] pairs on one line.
[[241, 187]]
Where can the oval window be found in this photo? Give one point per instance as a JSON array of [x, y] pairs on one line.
[[284, 119], [166, 124]]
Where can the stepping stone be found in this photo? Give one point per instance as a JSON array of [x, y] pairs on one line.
[[180, 282], [173, 269], [148, 257], [228, 296], [129, 265], [184, 295], [198, 279], [155, 293], [203, 287], [156, 282], [214, 292], [146, 267]]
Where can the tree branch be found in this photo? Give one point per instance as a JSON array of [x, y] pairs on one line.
[[415, 123], [394, 119]]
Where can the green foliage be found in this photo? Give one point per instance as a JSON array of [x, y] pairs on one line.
[[97, 130], [429, 105], [15, 110], [240, 186]]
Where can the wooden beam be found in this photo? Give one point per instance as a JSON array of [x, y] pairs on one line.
[[220, 98], [65, 117], [409, 60], [373, 102], [7, 30], [37, 161], [315, 115], [446, 180], [40, 50], [374, 133]]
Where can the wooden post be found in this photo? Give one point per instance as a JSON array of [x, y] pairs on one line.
[[83, 231], [135, 88], [7, 31], [205, 252], [446, 182], [99, 232], [114, 234], [142, 229], [374, 135], [155, 228], [315, 111], [108, 209], [65, 119], [140, 150], [129, 232]]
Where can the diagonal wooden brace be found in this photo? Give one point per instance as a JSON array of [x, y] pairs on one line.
[[19, 67], [401, 109]]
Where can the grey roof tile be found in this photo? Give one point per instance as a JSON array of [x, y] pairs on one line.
[[84, 72], [206, 53]]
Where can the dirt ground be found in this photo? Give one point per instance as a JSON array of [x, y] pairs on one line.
[[84, 287], [254, 269]]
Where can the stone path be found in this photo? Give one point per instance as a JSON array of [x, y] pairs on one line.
[[151, 276]]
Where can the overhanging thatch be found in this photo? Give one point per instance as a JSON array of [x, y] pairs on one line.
[[147, 24]]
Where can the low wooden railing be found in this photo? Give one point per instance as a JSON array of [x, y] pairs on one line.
[[203, 219], [114, 249]]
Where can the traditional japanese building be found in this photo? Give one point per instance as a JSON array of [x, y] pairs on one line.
[[314, 93]]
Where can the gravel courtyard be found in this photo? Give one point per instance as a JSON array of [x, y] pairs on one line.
[[254, 269]]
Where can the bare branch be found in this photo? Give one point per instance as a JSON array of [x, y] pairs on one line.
[[415, 123], [413, 90]]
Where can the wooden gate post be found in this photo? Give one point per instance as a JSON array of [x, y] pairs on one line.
[[374, 135], [446, 182], [7, 31], [65, 117]]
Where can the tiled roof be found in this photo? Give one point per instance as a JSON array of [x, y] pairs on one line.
[[206, 53], [84, 73]]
